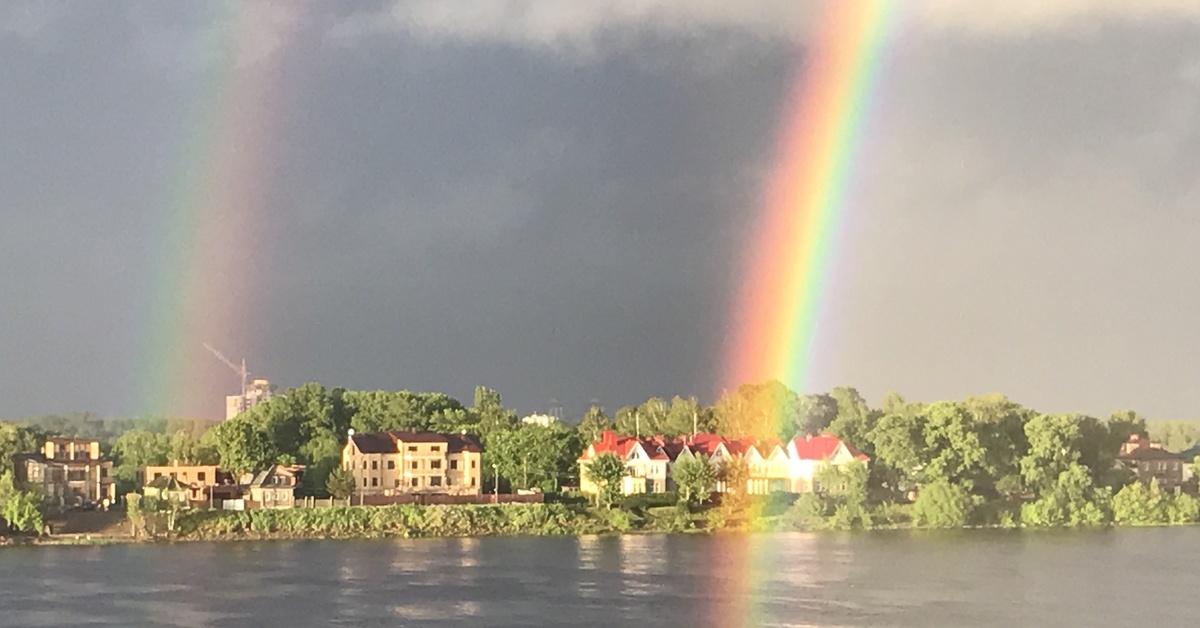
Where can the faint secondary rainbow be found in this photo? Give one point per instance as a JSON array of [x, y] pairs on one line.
[[778, 313], [211, 238]]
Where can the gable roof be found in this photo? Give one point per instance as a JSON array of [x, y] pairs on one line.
[[463, 442], [822, 447], [1150, 453], [379, 443]]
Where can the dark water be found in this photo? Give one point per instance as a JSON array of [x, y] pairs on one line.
[[1109, 578]]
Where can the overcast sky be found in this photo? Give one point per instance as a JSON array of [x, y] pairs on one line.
[[554, 199]]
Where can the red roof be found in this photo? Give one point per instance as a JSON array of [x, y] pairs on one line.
[[822, 447]]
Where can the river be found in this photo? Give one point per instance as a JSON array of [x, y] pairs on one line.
[[1126, 577]]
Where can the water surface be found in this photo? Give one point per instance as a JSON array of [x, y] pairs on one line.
[[977, 578]]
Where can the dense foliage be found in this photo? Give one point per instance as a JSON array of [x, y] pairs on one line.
[[980, 461]]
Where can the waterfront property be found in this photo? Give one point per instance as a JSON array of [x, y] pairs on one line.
[[204, 483], [275, 487], [400, 462], [772, 465], [1150, 462], [68, 472]]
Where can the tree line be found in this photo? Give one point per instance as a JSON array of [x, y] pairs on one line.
[[967, 456]]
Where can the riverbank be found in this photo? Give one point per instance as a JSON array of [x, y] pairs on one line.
[[639, 515]]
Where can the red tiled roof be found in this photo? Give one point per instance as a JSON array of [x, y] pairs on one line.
[[822, 447]]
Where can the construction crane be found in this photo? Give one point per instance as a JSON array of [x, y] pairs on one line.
[[243, 402]]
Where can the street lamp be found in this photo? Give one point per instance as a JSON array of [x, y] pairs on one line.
[[496, 490]]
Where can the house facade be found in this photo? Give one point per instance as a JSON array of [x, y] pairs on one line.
[[1151, 462], [68, 472], [204, 483], [276, 487], [391, 463], [772, 466]]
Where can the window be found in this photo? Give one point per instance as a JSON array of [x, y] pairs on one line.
[[172, 474], [412, 447], [435, 448], [414, 482], [374, 465], [414, 464], [435, 464], [76, 476], [435, 481], [391, 464], [201, 476], [453, 465], [364, 465], [397, 482], [472, 464], [374, 481], [448, 482], [364, 482], [104, 472], [472, 481], [185, 475], [157, 475]]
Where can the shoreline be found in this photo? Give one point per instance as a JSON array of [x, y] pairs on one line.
[[94, 540]]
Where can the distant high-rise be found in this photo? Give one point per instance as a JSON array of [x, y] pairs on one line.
[[258, 391]]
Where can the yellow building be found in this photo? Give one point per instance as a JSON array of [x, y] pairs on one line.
[[391, 463]]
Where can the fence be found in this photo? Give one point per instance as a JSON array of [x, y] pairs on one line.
[[421, 499]]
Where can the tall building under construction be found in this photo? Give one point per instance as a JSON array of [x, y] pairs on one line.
[[258, 391]]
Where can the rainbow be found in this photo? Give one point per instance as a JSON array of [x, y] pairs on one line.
[[212, 230], [778, 314]]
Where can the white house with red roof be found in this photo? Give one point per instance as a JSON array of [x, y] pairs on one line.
[[809, 454], [772, 465]]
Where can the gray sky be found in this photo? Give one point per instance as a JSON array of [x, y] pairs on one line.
[[553, 199]]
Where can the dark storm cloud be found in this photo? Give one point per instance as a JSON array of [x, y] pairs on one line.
[[555, 203]]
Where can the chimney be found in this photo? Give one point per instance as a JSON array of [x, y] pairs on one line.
[[808, 436], [609, 438]]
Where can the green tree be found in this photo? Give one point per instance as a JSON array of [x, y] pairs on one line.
[[686, 415], [734, 476], [761, 411], [593, 425], [133, 511], [1121, 425], [942, 504], [1140, 505], [137, 449], [242, 447], [606, 471], [340, 483], [694, 477], [186, 448], [534, 455], [855, 419], [491, 415], [1072, 499], [844, 488], [815, 414], [23, 512], [15, 439]]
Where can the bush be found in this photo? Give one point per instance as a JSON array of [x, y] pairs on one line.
[[891, 514], [406, 520], [642, 501], [942, 505]]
